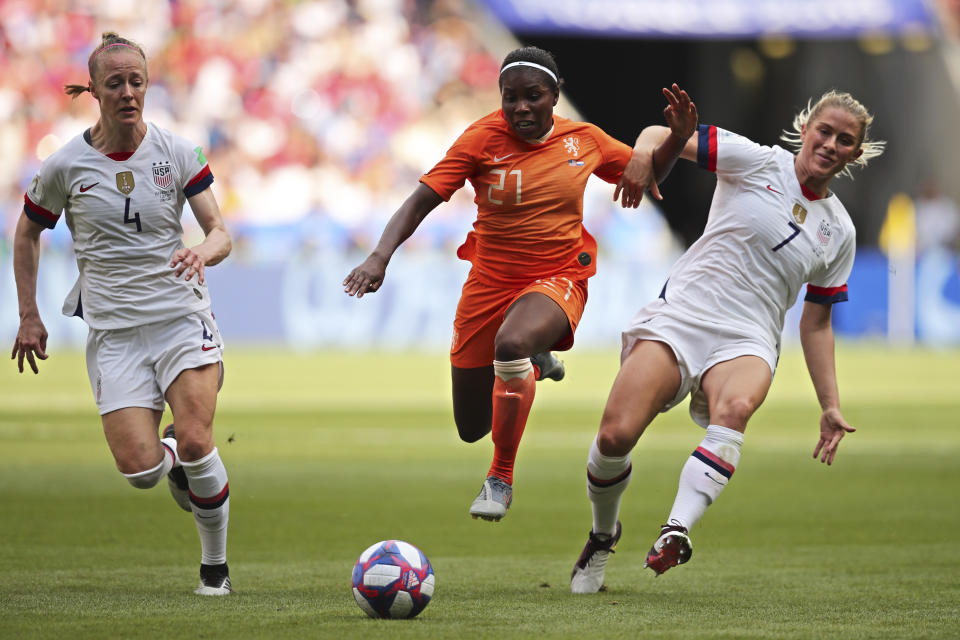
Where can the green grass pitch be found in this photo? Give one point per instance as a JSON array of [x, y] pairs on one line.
[[331, 452]]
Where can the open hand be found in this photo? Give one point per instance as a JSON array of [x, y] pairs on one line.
[[638, 176], [680, 113], [31, 343], [832, 429], [187, 261]]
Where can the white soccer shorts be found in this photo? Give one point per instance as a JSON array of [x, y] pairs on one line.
[[698, 345], [133, 367]]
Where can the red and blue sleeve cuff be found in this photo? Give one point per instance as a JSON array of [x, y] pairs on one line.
[[199, 182], [707, 147], [826, 295], [38, 214]]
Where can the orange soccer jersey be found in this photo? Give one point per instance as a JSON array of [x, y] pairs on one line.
[[529, 196]]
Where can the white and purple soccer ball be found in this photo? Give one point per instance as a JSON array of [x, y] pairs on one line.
[[392, 579]]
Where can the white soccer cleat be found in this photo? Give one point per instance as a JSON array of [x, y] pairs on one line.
[[587, 575], [214, 580], [493, 500]]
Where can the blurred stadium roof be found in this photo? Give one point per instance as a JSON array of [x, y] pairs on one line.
[[713, 18]]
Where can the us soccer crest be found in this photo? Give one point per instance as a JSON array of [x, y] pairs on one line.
[[824, 233], [162, 174], [799, 213], [125, 182]]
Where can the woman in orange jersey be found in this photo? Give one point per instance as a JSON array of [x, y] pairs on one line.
[[530, 253]]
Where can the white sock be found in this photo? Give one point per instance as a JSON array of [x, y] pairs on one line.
[[150, 477], [170, 447], [507, 370], [607, 479], [210, 498], [705, 474]]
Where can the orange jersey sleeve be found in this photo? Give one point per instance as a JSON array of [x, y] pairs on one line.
[[529, 196]]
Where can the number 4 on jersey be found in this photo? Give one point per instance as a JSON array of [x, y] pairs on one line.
[[127, 219]]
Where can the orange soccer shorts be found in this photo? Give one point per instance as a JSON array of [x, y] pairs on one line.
[[482, 308]]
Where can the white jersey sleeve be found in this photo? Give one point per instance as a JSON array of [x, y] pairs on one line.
[[729, 154], [192, 172], [46, 196], [830, 286]]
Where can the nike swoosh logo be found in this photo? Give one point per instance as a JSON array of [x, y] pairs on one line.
[[84, 189], [499, 158], [206, 348], [712, 478], [772, 189]]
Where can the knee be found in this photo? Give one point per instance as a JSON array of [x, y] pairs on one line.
[[616, 438], [194, 443], [509, 347], [146, 479], [733, 413]]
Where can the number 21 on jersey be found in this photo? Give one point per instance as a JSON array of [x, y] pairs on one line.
[[502, 186]]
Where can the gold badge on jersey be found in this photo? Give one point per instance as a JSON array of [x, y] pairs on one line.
[[799, 213], [125, 182]]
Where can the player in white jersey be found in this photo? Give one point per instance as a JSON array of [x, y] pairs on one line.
[[714, 331], [152, 338]]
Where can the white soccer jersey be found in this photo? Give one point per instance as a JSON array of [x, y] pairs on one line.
[[765, 237], [124, 215]]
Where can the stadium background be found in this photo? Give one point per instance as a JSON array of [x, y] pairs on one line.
[[319, 116]]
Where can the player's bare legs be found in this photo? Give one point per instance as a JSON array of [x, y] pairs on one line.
[[131, 434], [193, 399], [734, 390], [648, 379], [533, 323], [472, 401]]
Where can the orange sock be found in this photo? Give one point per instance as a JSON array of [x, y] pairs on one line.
[[513, 391]]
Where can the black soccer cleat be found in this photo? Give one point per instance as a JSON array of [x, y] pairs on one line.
[[214, 580], [177, 479], [550, 366]]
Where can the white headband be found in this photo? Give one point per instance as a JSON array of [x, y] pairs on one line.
[[530, 64]]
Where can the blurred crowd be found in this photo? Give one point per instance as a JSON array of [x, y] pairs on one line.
[[317, 116]]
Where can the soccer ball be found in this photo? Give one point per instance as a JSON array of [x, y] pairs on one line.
[[392, 579]]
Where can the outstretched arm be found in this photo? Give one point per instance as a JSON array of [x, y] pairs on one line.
[[31, 341], [816, 338], [657, 149], [369, 275]]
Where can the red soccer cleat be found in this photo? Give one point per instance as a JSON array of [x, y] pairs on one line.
[[673, 547]]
